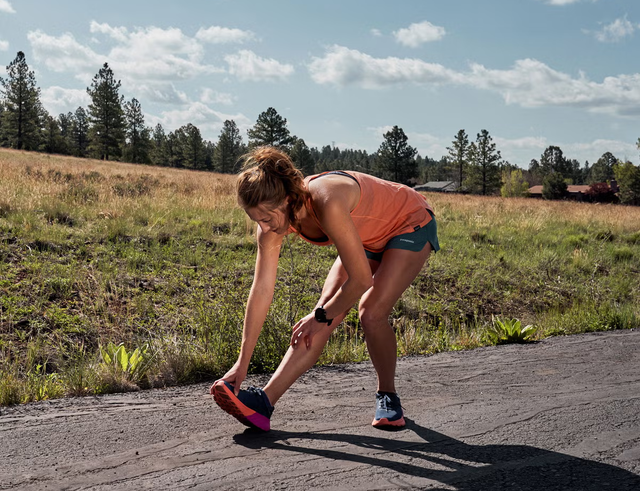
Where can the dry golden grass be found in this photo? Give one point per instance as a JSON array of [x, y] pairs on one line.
[[533, 214], [30, 180]]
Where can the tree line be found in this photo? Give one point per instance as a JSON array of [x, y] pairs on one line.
[[112, 128]]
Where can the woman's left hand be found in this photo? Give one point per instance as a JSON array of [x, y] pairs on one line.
[[305, 330]]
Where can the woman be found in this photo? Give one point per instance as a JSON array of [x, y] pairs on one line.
[[383, 232]]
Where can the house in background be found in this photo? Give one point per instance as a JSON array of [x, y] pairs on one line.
[[438, 186], [579, 192]]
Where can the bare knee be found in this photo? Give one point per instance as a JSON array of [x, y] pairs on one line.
[[372, 317]]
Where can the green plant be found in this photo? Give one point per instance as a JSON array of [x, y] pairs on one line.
[[131, 365], [509, 331]]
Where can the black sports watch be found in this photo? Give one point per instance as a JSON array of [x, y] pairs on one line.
[[321, 316]]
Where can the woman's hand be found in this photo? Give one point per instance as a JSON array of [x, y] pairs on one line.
[[305, 330], [235, 376]]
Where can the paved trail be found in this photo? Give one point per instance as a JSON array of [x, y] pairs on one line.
[[562, 414]]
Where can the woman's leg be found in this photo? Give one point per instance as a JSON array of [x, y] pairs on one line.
[[298, 361], [394, 275]]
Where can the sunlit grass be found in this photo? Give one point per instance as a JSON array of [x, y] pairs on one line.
[[93, 253]]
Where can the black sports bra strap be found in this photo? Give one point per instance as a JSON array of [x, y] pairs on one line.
[[338, 172]]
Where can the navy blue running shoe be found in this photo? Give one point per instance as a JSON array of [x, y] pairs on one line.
[[251, 407], [388, 411]]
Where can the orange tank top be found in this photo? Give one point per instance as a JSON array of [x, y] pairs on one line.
[[385, 209]]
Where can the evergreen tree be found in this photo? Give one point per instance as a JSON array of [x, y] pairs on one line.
[[52, 140], [628, 177], [106, 115], [301, 156], [458, 156], [602, 170], [553, 160], [159, 155], [270, 129], [395, 159], [229, 148], [554, 186], [80, 133], [484, 175], [138, 136], [23, 110], [193, 147], [65, 122]]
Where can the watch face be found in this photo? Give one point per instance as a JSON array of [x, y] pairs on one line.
[[320, 315]]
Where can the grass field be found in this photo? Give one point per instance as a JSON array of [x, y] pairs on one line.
[[118, 277]]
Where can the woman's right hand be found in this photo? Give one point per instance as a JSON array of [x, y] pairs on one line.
[[235, 376]]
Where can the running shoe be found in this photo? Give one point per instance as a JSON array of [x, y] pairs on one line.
[[388, 411], [251, 407]]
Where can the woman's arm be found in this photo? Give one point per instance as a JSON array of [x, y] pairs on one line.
[[258, 304], [333, 201]]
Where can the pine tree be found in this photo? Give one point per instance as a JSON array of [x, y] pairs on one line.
[[106, 115], [602, 170], [229, 148], [459, 155], [52, 140], [554, 186], [159, 155], [138, 136], [396, 158], [80, 133], [65, 122], [22, 107], [301, 156], [270, 129], [484, 175]]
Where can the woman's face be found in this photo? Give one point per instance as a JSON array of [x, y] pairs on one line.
[[270, 219]]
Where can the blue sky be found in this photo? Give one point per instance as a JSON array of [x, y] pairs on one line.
[[533, 73]]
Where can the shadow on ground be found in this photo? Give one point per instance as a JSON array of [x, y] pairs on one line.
[[454, 464]]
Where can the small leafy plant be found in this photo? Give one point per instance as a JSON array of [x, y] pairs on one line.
[[509, 331], [132, 366]]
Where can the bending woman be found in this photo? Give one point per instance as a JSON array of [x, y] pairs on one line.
[[383, 232]]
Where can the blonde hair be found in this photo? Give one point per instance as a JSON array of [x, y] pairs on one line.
[[269, 177]]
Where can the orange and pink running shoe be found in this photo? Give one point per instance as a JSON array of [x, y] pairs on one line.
[[251, 407], [389, 413]]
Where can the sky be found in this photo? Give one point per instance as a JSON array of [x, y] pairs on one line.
[[534, 73]]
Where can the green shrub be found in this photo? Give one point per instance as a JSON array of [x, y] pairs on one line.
[[509, 331]]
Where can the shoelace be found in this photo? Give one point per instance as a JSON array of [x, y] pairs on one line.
[[384, 402]]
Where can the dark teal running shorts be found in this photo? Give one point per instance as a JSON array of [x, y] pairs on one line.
[[413, 241]]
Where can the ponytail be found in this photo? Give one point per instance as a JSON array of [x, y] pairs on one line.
[[269, 177]]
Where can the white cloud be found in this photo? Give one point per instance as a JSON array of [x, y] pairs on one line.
[[529, 83], [162, 92], [376, 32], [248, 66], [210, 96], [58, 100], [5, 6], [420, 33], [616, 31], [63, 53], [343, 66], [208, 121], [224, 35], [145, 54], [4, 45]]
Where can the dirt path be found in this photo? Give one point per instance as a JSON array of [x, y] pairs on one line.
[[560, 414]]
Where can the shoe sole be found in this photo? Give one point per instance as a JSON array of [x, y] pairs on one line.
[[384, 422], [228, 402]]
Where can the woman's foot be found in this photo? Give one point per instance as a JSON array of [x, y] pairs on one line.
[[251, 407]]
